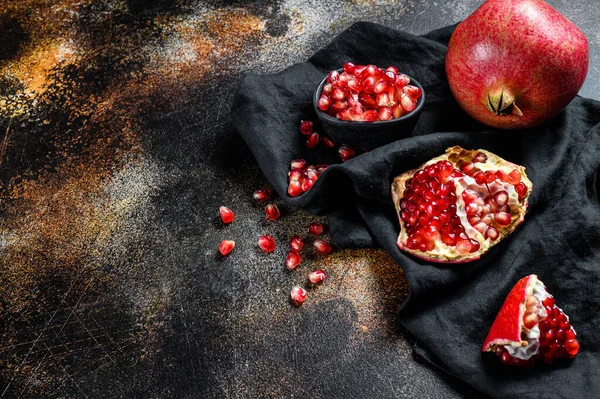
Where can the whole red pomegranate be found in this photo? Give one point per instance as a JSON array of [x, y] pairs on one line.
[[516, 63]]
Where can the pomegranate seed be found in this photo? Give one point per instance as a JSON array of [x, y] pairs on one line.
[[226, 247], [480, 157], [358, 70], [295, 174], [493, 233], [327, 88], [521, 190], [474, 245], [343, 79], [397, 111], [333, 76], [401, 81], [345, 115], [266, 243], [489, 177], [298, 164], [312, 140], [572, 347], [407, 103], [355, 85], [370, 71], [316, 276], [385, 113], [383, 99], [367, 100], [501, 198], [322, 247], [530, 320], [293, 260], [369, 85], [298, 295], [370, 115], [380, 86], [392, 69], [412, 91], [356, 111], [226, 214], [463, 246], [502, 218], [338, 94], [349, 67], [295, 188], [339, 106], [306, 184], [327, 142], [316, 229], [549, 302], [324, 102], [500, 175], [272, 212], [296, 244], [262, 195], [514, 177], [390, 78], [346, 153], [306, 127]]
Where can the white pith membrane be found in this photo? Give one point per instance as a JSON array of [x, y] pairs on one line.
[[444, 252], [532, 346]]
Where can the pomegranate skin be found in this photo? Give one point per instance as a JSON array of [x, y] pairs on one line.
[[516, 63]]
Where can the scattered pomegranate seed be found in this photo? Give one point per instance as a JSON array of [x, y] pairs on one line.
[[226, 214], [322, 247], [315, 229], [262, 195], [266, 243], [317, 276], [298, 295], [312, 140], [272, 212], [226, 247], [296, 244], [306, 127], [293, 260], [346, 153], [327, 142]]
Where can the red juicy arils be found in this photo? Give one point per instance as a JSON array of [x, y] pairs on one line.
[[455, 207], [367, 94], [530, 328]]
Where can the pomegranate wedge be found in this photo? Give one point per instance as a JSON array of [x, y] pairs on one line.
[[455, 207], [530, 328]]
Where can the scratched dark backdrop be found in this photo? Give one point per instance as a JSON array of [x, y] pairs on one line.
[[116, 151]]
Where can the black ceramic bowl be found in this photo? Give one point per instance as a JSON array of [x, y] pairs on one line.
[[368, 135]]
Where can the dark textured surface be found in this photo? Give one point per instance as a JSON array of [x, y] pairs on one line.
[[117, 150]]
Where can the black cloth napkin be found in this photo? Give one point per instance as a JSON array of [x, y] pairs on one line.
[[450, 308]]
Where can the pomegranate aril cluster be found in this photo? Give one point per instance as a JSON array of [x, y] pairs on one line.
[[368, 93], [428, 210], [557, 336], [302, 177], [429, 205]]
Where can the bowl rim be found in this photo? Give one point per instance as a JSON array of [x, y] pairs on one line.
[[333, 120]]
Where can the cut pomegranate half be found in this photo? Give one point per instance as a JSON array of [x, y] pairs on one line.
[[455, 207], [530, 328]]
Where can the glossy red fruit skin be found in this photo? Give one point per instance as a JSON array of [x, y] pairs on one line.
[[524, 47]]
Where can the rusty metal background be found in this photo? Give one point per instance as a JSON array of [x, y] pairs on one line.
[[116, 151]]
